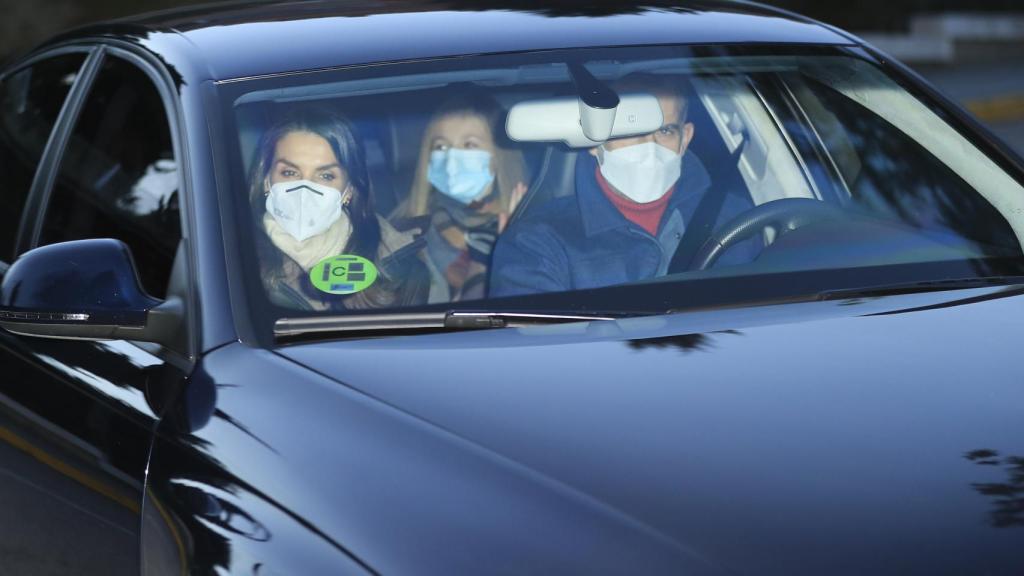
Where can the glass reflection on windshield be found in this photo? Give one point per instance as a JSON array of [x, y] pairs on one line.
[[401, 188]]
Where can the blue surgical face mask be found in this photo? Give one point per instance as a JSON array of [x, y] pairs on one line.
[[462, 175]]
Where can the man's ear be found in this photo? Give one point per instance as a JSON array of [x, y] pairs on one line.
[[687, 136]]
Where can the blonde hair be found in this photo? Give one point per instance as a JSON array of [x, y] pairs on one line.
[[508, 166]]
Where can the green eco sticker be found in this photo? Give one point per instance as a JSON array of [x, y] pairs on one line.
[[343, 274]]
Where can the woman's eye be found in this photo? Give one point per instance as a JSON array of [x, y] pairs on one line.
[[472, 145], [440, 146], [328, 177], [289, 173]]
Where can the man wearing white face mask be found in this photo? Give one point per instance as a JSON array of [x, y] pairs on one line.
[[634, 199]]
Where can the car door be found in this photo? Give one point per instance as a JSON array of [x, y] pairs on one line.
[[77, 417]]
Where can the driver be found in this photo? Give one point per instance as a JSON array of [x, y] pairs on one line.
[[634, 199]]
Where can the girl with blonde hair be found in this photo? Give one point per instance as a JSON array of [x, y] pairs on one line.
[[466, 186]]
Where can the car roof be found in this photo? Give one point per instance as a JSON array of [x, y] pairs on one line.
[[246, 39]]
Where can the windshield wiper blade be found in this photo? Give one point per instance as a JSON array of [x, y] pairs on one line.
[[484, 320], [921, 286], [423, 321]]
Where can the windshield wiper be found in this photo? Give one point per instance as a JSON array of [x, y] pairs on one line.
[[370, 325], [921, 286], [380, 324]]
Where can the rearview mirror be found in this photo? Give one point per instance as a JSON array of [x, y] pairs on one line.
[[571, 120], [85, 290]]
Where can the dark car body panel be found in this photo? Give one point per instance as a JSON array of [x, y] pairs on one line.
[[838, 437], [75, 434], [378, 486], [287, 37], [824, 441], [863, 436]]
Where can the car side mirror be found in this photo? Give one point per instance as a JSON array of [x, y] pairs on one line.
[[84, 290]]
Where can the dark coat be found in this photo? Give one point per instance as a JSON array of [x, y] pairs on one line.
[[583, 241]]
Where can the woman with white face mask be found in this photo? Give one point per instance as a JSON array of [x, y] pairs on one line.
[[311, 197], [465, 188]]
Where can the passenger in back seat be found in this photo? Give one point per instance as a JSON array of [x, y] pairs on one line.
[[465, 188]]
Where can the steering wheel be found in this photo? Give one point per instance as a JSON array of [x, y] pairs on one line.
[[783, 215]]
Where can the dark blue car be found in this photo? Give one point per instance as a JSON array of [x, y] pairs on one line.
[[444, 288]]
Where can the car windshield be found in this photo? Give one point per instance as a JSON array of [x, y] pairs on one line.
[[619, 181]]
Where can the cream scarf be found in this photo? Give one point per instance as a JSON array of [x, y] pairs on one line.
[[312, 250]]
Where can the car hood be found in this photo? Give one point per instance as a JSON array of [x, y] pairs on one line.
[[867, 435]]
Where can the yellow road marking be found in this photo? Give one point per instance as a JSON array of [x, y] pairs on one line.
[[90, 482], [1006, 108]]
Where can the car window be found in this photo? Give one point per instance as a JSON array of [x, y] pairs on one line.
[[30, 101], [888, 172], [118, 177], [488, 192]]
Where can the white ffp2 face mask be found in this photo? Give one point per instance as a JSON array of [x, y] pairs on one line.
[[641, 172], [304, 208]]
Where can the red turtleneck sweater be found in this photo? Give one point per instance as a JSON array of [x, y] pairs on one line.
[[646, 216]]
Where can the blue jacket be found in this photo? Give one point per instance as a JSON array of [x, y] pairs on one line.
[[583, 241]]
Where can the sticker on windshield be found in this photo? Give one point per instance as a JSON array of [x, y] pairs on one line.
[[343, 274]]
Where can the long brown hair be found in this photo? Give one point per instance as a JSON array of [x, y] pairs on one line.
[[366, 232], [339, 133], [508, 166]]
